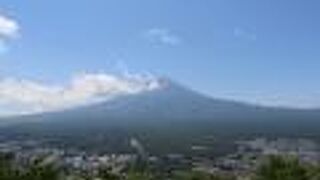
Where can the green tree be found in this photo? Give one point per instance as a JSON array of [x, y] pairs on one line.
[[282, 168], [135, 175], [198, 175], [38, 172], [107, 174], [7, 171]]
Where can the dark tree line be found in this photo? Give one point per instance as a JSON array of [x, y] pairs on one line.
[[273, 168]]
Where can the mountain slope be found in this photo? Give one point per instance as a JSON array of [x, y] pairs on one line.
[[170, 119], [173, 103]]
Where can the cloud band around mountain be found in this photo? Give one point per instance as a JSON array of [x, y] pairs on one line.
[[33, 97]]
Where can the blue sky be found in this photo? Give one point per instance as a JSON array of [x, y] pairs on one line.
[[257, 51]]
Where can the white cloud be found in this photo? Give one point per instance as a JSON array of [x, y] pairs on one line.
[[162, 36], [26, 96], [244, 34], [9, 28]]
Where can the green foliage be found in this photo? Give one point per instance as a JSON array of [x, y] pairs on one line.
[[198, 175], [138, 176], [282, 168], [107, 174], [37, 172], [34, 172], [274, 168], [313, 172], [7, 171]]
